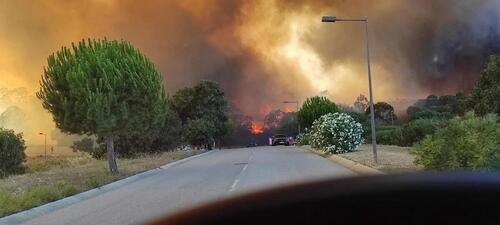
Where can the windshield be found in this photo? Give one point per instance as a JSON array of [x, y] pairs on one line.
[[130, 110]]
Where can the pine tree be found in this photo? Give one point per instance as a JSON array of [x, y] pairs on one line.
[[104, 88]]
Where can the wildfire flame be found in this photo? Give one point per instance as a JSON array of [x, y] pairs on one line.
[[288, 109], [257, 127]]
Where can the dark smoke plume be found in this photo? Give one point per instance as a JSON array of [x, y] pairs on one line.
[[266, 51]]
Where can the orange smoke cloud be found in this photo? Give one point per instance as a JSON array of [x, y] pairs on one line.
[[261, 52]]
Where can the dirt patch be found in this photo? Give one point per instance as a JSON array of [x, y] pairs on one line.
[[391, 159]]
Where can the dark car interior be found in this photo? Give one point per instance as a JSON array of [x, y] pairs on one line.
[[427, 198]]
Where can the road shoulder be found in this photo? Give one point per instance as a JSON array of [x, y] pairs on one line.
[[29, 214], [358, 168]]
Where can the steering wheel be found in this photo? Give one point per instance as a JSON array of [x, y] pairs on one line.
[[423, 199]]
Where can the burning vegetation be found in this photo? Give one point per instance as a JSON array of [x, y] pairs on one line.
[[256, 128]]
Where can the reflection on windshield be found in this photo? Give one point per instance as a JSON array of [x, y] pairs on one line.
[[163, 106]]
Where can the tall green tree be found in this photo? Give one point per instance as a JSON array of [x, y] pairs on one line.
[[361, 103], [203, 110], [383, 111], [486, 94], [103, 88], [313, 108], [85, 145], [170, 134], [453, 105]]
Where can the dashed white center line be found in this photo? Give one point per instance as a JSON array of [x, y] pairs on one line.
[[237, 180], [234, 185]]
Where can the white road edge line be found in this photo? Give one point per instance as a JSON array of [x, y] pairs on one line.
[[29, 214]]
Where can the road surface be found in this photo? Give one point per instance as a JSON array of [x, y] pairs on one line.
[[216, 175]]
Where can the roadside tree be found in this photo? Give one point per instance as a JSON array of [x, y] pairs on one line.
[[104, 88], [170, 134], [486, 95], [83, 145], [204, 112], [383, 111], [313, 108], [361, 103]]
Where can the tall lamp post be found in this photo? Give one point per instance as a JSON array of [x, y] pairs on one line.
[[45, 135], [296, 112], [333, 19]]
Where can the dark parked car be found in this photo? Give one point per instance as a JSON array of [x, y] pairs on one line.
[[280, 139]]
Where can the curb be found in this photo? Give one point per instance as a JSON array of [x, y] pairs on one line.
[[349, 164], [29, 214]]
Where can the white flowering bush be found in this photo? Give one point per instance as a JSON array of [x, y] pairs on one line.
[[336, 133]]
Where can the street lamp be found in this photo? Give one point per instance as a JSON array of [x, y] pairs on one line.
[[333, 19], [45, 135], [296, 112]]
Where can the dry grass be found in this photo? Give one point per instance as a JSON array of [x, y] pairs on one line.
[[80, 173], [392, 159], [39, 150]]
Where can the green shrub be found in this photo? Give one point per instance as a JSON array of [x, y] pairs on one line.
[[417, 130], [94, 182], [336, 133], [66, 190], [406, 135], [470, 142], [430, 114], [304, 138], [11, 152], [388, 135]]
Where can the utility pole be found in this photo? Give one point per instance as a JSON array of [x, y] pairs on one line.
[[45, 146]]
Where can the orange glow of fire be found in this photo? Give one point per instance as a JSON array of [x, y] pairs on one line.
[[288, 109], [257, 127]]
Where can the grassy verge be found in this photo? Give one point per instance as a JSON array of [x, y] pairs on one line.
[[391, 159], [33, 196], [54, 178]]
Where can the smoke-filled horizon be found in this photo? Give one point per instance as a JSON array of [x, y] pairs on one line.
[[263, 52]]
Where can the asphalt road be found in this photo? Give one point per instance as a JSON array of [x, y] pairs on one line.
[[213, 176]]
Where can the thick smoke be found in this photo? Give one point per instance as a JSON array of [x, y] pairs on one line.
[[266, 51]]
